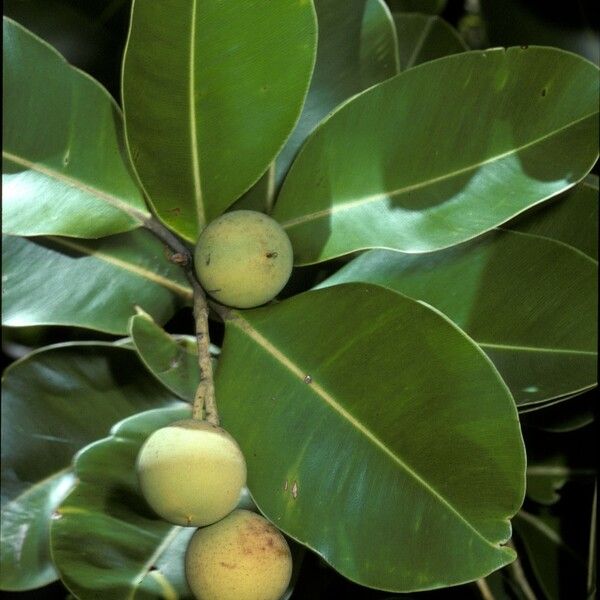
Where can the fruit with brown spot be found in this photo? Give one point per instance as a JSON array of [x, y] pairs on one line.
[[242, 557]]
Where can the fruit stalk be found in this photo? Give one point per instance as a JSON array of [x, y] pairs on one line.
[[204, 400], [205, 406]]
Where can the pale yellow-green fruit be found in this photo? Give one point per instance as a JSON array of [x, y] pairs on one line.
[[191, 472], [243, 258], [242, 557]]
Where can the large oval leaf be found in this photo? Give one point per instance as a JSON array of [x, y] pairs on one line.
[[529, 302], [572, 218], [211, 90], [54, 402], [89, 283], [64, 172], [106, 541], [422, 38], [356, 49], [376, 433], [442, 152]]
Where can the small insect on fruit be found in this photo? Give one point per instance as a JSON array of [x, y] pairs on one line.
[[191, 472], [243, 258], [242, 557]]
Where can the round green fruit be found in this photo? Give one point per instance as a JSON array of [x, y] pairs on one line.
[[191, 472], [243, 258], [242, 557]]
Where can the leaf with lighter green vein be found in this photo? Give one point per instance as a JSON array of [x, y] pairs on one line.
[[260, 196], [356, 49], [64, 169], [24, 544], [529, 302], [55, 401], [442, 153], [559, 569], [393, 398], [89, 283], [173, 362], [571, 218], [106, 541], [428, 7], [422, 38], [211, 91], [378, 44]]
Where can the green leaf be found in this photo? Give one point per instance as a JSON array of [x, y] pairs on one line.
[[378, 44], [173, 362], [106, 541], [356, 49], [422, 38], [260, 196], [442, 153], [551, 556], [24, 546], [55, 401], [359, 402], [529, 302], [572, 218], [211, 91], [64, 171], [89, 283]]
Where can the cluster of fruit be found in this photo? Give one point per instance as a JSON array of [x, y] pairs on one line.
[[192, 472]]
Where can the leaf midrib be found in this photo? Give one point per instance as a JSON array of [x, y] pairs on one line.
[[136, 214], [256, 336], [201, 217], [540, 349], [352, 203], [125, 266]]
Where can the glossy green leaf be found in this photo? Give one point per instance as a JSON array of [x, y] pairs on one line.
[[260, 196], [64, 171], [211, 91], [89, 283], [106, 541], [359, 402], [378, 44], [422, 38], [572, 218], [442, 153], [173, 362], [428, 7], [529, 302], [24, 544], [356, 49], [558, 568], [54, 402]]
